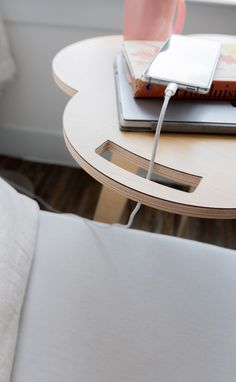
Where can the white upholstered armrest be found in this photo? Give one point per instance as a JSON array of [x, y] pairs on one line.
[[108, 304]]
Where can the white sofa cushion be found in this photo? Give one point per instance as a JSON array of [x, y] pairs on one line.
[[105, 304]]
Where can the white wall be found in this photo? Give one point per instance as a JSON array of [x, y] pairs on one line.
[[31, 107]]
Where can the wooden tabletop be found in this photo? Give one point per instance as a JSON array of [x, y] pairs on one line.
[[203, 163]]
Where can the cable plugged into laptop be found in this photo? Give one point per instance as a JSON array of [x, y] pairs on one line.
[[169, 92], [169, 67]]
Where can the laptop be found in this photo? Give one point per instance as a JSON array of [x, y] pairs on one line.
[[182, 116]]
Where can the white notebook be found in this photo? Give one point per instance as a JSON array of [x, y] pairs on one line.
[[182, 116]]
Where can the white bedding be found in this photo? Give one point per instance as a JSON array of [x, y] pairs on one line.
[[18, 231], [7, 65]]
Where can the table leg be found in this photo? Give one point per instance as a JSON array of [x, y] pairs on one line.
[[111, 205], [182, 225]]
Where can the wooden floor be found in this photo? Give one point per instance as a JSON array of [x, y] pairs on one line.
[[72, 190]]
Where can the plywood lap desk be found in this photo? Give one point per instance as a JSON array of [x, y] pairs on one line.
[[204, 163]]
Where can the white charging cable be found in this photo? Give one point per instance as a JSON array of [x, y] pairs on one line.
[[169, 92]]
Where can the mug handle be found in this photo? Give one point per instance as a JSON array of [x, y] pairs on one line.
[[180, 17]]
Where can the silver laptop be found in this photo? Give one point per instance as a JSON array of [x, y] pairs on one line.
[[182, 116]]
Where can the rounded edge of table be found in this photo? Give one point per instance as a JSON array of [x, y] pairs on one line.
[[125, 189]]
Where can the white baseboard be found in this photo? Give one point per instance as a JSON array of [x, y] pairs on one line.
[[35, 145]]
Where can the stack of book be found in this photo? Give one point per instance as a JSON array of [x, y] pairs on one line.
[[137, 55]]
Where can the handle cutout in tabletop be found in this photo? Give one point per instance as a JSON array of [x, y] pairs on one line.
[[138, 165]]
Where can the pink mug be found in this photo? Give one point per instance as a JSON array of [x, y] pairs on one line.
[[153, 19]]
